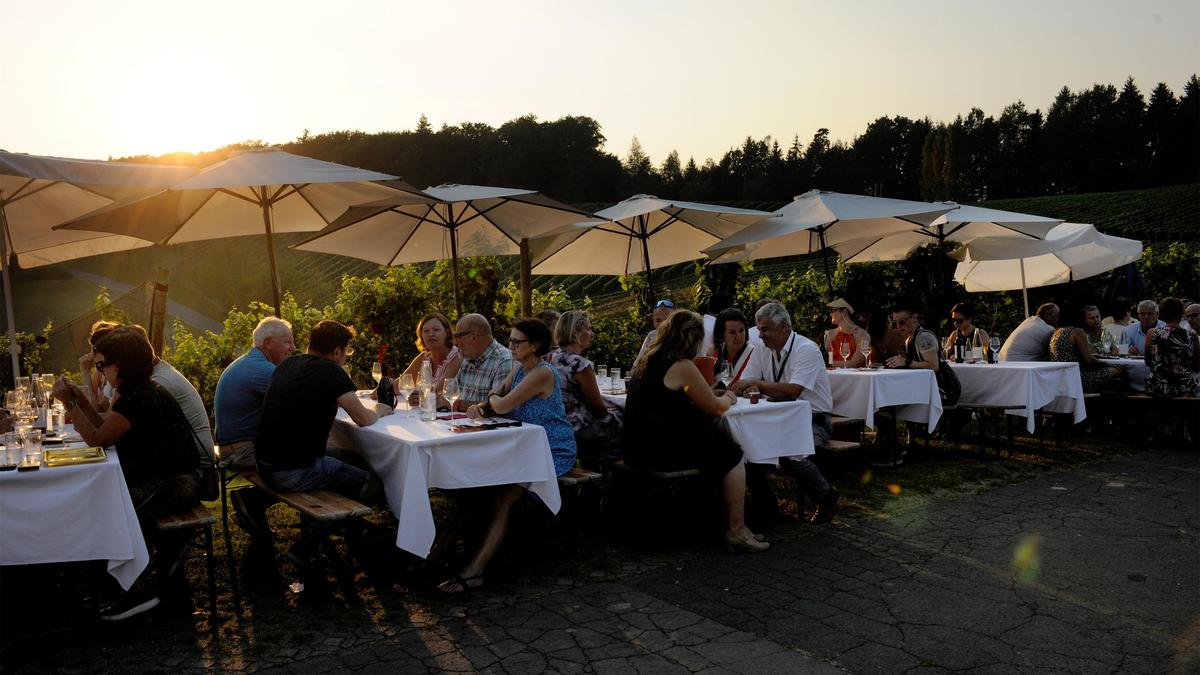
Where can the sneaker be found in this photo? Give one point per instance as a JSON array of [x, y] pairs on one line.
[[129, 606], [250, 514]]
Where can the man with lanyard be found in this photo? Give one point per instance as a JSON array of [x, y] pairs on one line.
[[486, 363], [791, 367]]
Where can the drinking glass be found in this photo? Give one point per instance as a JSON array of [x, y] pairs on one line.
[[33, 447], [994, 345], [377, 372], [948, 348], [22, 383], [407, 387], [866, 348], [602, 379], [1123, 345], [844, 350], [450, 391]]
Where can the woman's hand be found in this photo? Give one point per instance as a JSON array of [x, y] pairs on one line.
[[895, 362], [64, 390], [474, 411], [87, 362]]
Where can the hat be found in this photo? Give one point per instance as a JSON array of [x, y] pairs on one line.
[[840, 304]]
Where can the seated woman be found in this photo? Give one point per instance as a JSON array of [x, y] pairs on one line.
[[532, 395], [435, 343], [670, 422], [1069, 342], [965, 330], [597, 424], [845, 332], [96, 389], [662, 309], [731, 345], [152, 436], [1171, 354]]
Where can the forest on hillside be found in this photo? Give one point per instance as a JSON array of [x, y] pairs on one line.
[[1103, 138]]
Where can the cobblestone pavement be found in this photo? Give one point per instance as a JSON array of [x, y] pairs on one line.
[[1093, 569]]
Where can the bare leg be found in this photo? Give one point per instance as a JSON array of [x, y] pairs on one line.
[[733, 489], [505, 497]]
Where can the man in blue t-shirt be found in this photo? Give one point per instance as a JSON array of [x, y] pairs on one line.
[[239, 397]]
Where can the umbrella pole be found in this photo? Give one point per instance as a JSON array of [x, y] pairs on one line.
[[8, 304], [1024, 291], [526, 280], [454, 264], [266, 211], [646, 257], [825, 262]]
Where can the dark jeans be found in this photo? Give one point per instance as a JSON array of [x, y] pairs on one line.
[[326, 473]]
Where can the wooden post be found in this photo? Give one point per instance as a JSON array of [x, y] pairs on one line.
[[158, 309], [526, 280]]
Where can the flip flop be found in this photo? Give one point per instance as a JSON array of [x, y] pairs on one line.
[[464, 584]]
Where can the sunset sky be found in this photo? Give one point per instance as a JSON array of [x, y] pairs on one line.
[[90, 79]]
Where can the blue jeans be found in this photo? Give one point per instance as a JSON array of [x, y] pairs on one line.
[[326, 473]]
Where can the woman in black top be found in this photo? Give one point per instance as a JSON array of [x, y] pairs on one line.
[[670, 421], [152, 436]]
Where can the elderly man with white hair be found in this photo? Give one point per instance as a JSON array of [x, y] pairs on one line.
[[1135, 333], [791, 367], [239, 398]]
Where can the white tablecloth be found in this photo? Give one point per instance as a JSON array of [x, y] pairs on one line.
[[1136, 369], [412, 456], [859, 393], [766, 430], [71, 513], [1033, 385]]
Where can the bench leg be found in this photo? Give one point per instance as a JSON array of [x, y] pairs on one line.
[[212, 569]]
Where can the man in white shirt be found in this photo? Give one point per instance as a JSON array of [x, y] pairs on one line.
[[791, 367], [1031, 340]]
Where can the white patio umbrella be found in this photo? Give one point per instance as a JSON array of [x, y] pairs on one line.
[[447, 221], [643, 233], [39, 192], [817, 220], [254, 192], [1070, 251]]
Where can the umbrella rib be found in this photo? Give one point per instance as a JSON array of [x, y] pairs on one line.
[[312, 205], [191, 215], [244, 198], [392, 261], [279, 193], [854, 255], [483, 214], [17, 194]]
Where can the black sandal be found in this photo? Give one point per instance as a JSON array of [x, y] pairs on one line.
[[462, 584]]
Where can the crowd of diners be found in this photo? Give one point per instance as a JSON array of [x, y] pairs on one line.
[[274, 408]]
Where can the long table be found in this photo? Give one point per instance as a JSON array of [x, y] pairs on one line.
[[859, 392], [411, 456], [72, 513], [1032, 385], [767, 430]]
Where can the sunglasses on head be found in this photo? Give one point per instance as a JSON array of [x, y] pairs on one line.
[[664, 303]]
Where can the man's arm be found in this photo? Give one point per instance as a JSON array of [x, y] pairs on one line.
[[356, 410]]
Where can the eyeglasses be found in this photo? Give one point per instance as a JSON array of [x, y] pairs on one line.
[[957, 321], [101, 365], [664, 303], [896, 323], [513, 342], [463, 333], [1192, 315]]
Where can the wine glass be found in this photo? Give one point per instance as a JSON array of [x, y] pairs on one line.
[[948, 347], [377, 372], [844, 350], [407, 386], [994, 345], [866, 348], [451, 392]]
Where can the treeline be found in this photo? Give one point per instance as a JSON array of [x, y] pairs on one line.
[[1093, 140]]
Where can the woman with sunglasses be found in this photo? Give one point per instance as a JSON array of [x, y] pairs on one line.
[[965, 331], [532, 395]]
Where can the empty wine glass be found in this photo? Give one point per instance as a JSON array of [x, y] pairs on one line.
[[948, 347], [450, 391], [844, 350], [407, 386], [377, 372], [866, 347]]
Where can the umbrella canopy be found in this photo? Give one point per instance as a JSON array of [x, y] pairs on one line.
[[38, 192], [962, 225], [447, 221], [642, 233], [1070, 251], [254, 192], [817, 220]]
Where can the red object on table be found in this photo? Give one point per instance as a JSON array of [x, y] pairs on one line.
[[706, 364]]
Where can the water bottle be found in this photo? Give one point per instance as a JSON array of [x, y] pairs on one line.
[[428, 403], [425, 379], [976, 348]]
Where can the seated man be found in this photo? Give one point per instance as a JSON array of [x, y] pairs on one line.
[[297, 414], [486, 364], [662, 309], [242, 387], [791, 368], [1135, 333], [239, 398], [1030, 341]]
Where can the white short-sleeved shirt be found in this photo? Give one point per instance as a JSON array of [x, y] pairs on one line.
[[1029, 342], [799, 362]]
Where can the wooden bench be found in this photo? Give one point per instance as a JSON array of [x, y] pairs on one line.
[[323, 506], [983, 409], [622, 467], [577, 476], [198, 521], [833, 445]]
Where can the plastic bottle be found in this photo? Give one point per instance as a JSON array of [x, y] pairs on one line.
[[428, 404], [425, 378]]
